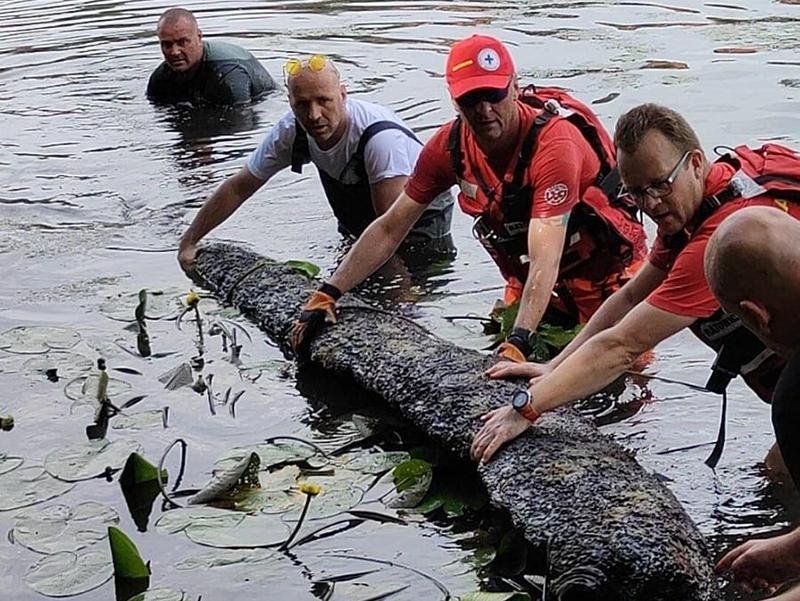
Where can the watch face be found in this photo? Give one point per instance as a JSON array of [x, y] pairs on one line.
[[520, 399]]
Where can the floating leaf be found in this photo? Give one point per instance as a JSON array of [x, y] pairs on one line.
[[38, 339], [67, 573], [271, 454], [484, 556], [62, 528], [159, 594], [177, 520], [375, 463], [228, 482], [246, 531], [139, 483], [66, 365], [83, 389], [88, 460], [339, 494], [142, 420], [8, 463], [160, 304], [481, 596], [27, 486], [224, 557], [305, 267], [180, 375], [412, 480]]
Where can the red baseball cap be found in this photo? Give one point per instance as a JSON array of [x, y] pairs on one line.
[[479, 61]]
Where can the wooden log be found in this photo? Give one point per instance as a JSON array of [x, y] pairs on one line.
[[613, 530]]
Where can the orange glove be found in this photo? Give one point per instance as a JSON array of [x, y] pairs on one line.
[[509, 352], [318, 311]]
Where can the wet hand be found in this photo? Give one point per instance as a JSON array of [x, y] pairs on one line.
[[318, 311], [510, 369], [500, 426], [763, 564], [187, 255]]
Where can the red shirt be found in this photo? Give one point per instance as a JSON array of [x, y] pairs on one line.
[[563, 167], [685, 291]]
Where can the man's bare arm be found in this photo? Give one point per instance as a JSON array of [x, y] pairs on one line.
[[220, 205], [385, 192]]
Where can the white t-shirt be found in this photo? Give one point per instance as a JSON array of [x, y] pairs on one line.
[[389, 153]]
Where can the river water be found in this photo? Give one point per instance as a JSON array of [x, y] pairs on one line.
[[97, 186]]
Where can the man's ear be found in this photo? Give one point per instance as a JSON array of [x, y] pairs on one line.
[[343, 90], [754, 313], [199, 34]]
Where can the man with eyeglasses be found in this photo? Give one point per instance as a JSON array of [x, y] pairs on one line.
[[363, 153], [666, 172], [203, 73], [536, 180]]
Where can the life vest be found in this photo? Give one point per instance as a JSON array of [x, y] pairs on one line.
[[600, 224], [775, 170], [349, 194]]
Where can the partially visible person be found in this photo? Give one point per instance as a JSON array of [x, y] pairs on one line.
[[667, 173], [203, 73], [540, 182], [363, 153], [752, 264]]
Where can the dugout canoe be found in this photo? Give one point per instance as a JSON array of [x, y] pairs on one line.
[[612, 529]]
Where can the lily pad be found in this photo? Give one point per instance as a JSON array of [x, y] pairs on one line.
[[83, 389], [67, 573], [60, 364], [143, 420], [160, 304], [248, 532], [270, 453], [27, 486], [9, 462], [375, 463], [159, 594], [339, 494], [26, 340], [228, 482], [61, 528], [412, 479], [177, 520], [307, 268], [224, 557], [88, 460], [481, 596]]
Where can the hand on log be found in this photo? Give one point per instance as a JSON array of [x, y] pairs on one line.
[[187, 255], [318, 311], [500, 426], [510, 369], [765, 563]]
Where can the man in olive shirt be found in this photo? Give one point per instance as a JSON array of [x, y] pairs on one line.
[[203, 73]]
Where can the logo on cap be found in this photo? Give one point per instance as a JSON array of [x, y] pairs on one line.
[[488, 59]]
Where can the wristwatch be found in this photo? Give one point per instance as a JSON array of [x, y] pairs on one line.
[[522, 402]]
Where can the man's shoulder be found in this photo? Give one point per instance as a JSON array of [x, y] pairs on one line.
[[220, 51], [160, 81]]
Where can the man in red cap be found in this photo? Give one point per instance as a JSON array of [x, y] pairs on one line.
[[539, 181]]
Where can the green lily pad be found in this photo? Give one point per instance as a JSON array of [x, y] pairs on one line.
[[305, 267], [88, 460], [412, 480], [228, 482], [61, 528], [26, 340], [67, 573], [159, 594], [143, 420], [270, 454], [27, 486], [224, 557], [66, 365], [160, 304], [83, 389], [246, 531], [374, 463], [9, 462], [340, 493], [127, 560]]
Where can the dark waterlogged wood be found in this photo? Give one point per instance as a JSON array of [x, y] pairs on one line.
[[613, 530]]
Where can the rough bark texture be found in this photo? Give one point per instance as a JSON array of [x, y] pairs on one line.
[[614, 531]]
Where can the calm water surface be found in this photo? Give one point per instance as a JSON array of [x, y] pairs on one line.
[[97, 186]]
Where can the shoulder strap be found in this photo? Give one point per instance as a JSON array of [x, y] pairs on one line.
[[528, 148], [375, 128], [300, 152], [454, 149]]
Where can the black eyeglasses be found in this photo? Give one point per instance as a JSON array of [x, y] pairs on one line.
[[658, 189], [474, 98]]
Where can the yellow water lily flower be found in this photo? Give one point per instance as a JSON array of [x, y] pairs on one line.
[[310, 488], [191, 299]]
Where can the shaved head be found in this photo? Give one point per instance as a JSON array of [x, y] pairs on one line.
[[173, 16], [318, 100], [752, 264], [181, 40]]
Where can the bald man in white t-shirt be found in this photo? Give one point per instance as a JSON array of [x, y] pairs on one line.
[[363, 153]]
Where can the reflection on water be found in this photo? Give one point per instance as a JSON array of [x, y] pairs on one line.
[[88, 165]]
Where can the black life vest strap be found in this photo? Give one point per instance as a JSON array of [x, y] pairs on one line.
[[373, 129], [300, 151]]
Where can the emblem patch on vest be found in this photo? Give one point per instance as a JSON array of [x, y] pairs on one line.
[[468, 189], [556, 194]]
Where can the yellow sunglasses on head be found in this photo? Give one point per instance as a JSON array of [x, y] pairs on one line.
[[316, 63]]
